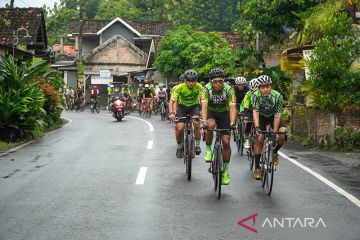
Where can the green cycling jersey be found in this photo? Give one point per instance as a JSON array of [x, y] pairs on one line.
[[186, 96], [268, 106], [246, 102], [219, 101]]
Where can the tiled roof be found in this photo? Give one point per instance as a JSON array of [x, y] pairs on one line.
[[144, 27], [11, 19]]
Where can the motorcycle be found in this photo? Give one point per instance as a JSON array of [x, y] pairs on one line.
[[119, 107]]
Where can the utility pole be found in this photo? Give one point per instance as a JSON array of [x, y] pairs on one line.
[[80, 75]]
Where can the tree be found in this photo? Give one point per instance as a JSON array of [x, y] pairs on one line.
[[333, 83], [57, 21], [111, 9], [187, 49]]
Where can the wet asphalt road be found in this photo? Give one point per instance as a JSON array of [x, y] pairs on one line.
[[79, 183]]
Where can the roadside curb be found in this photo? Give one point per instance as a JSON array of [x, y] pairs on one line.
[[32, 141]]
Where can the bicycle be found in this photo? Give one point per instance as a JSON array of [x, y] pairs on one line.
[[250, 150], [240, 133], [94, 106], [163, 110], [217, 166], [146, 107], [266, 161], [189, 142]]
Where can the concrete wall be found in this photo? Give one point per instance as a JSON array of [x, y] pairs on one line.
[[118, 29], [318, 126], [89, 43]]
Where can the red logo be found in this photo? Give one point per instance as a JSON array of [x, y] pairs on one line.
[[253, 217]]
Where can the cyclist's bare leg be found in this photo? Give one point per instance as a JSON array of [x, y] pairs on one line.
[[281, 137], [179, 132], [227, 149], [259, 144], [208, 134], [196, 125]]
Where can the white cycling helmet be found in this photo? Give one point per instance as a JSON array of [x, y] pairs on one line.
[[253, 84], [146, 85], [240, 80], [264, 80]]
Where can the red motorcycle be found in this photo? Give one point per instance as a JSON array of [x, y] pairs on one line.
[[119, 107]]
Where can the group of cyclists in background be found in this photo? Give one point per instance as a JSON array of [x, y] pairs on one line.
[[217, 103]]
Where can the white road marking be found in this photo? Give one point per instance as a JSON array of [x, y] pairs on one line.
[[151, 127], [141, 176], [352, 198], [150, 144]]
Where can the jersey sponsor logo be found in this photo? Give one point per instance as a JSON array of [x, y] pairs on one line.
[[217, 99]]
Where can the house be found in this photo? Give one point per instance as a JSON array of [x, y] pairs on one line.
[[23, 33], [117, 51]]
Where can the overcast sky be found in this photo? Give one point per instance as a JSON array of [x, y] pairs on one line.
[[30, 3]]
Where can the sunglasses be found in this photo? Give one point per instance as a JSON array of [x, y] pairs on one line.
[[191, 80], [218, 81]]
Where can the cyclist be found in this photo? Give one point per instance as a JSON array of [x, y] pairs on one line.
[[240, 90], [79, 96], [147, 96], [187, 97], [218, 107], [246, 108], [127, 94], [140, 93], [94, 95], [110, 90], [267, 107], [162, 93]]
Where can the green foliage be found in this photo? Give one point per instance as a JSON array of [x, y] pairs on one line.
[[57, 21], [21, 100], [185, 49], [347, 138], [281, 81], [272, 17], [333, 84], [210, 15], [51, 104], [119, 8]]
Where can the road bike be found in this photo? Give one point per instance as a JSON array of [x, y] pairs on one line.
[[189, 142], [267, 166], [217, 165]]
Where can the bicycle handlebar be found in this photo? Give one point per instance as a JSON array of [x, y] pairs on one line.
[[187, 117], [271, 132]]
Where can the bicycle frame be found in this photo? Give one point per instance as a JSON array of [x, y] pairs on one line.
[[189, 142], [267, 160], [217, 163]]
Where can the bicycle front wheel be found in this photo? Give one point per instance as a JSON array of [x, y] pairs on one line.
[[270, 171], [220, 167], [250, 157]]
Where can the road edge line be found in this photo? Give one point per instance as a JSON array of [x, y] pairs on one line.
[[349, 196]]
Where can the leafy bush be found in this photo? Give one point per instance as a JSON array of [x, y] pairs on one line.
[[21, 100], [347, 138], [52, 103], [333, 84]]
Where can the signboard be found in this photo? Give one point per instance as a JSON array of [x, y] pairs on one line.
[[306, 55], [105, 73], [95, 79]]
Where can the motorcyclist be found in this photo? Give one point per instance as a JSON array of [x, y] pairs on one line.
[[116, 94]]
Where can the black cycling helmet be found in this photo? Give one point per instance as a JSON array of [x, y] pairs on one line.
[[191, 75], [216, 72]]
